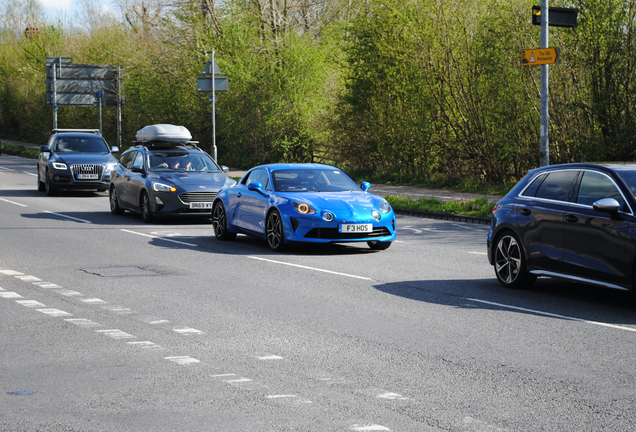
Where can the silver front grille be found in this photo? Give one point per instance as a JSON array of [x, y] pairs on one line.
[[87, 172], [190, 197]]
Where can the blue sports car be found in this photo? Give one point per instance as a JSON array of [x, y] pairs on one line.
[[312, 203]]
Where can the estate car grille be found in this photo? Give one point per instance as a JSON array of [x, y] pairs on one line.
[[86, 171], [332, 233], [190, 197]]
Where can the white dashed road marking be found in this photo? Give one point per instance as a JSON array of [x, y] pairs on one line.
[[159, 238], [270, 357], [9, 294], [144, 344], [116, 334], [29, 278], [69, 293], [391, 396], [188, 331], [369, 428], [46, 285], [182, 360], [82, 322], [10, 272], [93, 301], [310, 268], [30, 303], [117, 309], [13, 202], [54, 312]]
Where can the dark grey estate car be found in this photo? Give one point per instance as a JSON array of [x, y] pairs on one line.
[[75, 159], [575, 221]]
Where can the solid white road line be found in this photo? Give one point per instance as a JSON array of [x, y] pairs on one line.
[[310, 268], [68, 217], [13, 202], [553, 315], [160, 238]]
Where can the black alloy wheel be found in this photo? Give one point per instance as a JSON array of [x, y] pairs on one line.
[[274, 231], [49, 189], [379, 245], [219, 223], [509, 263], [114, 202], [146, 214]]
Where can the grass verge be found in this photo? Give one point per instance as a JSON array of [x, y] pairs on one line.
[[479, 207], [19, 150]]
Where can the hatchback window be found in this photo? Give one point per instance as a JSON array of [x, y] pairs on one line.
[[595, 186], [557, 185], [532, 189]]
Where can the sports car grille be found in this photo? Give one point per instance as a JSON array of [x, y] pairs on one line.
[[189, 197], [87, 169], [332, 233]]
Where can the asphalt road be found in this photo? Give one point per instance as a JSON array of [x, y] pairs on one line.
[[109, 324]]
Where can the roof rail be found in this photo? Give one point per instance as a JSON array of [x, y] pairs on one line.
[[94, 131]]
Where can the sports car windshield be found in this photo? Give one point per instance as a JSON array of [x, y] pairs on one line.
[[165, 161], [80, 145], [312, 180]]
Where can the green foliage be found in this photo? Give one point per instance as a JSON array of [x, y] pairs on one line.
[[479, 207]]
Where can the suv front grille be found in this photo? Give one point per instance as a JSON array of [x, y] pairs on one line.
[[190, 197], [87, 171]]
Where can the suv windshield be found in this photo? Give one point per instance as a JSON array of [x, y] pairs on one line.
[[312, 180], [171, 161], [75, 144]]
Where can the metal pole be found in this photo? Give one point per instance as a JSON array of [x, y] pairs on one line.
[[53, 71], [119, 107], [99, 101], [544, 153], [213, 108]]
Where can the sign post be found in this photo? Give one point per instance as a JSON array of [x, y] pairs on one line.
[[210, 81], [99, 95], [544, 152]]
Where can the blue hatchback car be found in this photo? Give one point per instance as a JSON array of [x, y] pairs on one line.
[[312, 203]]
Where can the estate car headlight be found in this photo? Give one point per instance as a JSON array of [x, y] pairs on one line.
[[59, 166], [303, 208], [160, 187], [385, 207]]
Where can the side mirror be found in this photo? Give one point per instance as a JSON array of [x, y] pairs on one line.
[[256, 187], [114, 149], [365, 186], [607, 205], [225, 169], [137, 170], [45, 149]]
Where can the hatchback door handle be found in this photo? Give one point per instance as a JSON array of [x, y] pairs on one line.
[[526, 212], [571, 218]]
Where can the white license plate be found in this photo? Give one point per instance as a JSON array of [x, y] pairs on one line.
[[88, 177], [201, 205], [356, 228]]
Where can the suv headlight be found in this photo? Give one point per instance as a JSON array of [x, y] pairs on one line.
[[160, 187], [59, 166]]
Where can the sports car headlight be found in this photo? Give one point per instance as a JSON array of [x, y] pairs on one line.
[[160, 187], [304, 208], [376, 215], [385, 207], [59, 166]]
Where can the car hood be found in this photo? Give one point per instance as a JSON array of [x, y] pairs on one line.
[[85, 158], [341, 203], [213, 180]]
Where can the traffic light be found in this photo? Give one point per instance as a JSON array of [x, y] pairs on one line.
[[559, 17]]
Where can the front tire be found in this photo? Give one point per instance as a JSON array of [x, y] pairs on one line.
[[219, 223], [144, 205], [49, 189], [274, 231], [114, 202], [41, 185], [379, 245], [509, 262]]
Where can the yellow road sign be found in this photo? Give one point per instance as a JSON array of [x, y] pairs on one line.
[[539, 56]]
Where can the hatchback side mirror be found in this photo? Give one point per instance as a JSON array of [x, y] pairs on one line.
[[607, 205]]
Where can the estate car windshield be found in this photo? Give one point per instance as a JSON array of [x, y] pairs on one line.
[[312, 180], [163, 161]]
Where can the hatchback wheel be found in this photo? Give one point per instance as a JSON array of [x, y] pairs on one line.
[[114, 202], [219, 223], [274, 231], [510, 266], [146, 214]]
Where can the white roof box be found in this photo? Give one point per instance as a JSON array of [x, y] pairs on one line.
[[164, 132]]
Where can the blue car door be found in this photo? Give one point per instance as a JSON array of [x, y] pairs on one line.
[[251, 205]]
